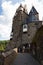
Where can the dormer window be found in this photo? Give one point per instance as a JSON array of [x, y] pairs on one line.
[[25, 28]]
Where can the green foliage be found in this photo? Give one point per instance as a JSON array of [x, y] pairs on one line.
[[3, 44]]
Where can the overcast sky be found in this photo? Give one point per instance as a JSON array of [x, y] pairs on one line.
[[7, 11]]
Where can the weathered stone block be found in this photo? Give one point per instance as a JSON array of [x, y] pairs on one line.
[[9, 56]]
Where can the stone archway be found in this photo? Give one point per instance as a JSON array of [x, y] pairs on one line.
[[25, 48]]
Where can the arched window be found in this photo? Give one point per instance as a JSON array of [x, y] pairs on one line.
[[25, 28]]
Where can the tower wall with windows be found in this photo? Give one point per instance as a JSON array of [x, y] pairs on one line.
[[24, 28], [18, 19]]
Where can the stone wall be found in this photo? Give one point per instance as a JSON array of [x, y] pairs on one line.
[[16, 29], [9, 56], [18, 36]]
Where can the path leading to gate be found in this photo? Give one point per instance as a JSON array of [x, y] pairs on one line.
[[24, 59]]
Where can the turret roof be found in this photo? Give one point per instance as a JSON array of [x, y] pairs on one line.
[[33, 11]]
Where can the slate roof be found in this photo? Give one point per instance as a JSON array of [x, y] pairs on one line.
[[33, 11]]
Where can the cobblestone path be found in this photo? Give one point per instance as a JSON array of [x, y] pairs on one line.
[[24, 59]]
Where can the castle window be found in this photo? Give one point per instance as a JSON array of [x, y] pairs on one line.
[[25, 28]]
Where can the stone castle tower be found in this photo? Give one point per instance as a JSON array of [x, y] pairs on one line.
[[24, 27]]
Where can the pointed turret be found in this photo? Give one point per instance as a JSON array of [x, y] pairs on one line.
[[20, 8], [33, 11], [33, 15]]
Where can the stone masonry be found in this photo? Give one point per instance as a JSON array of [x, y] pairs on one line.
[[18, 37]]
